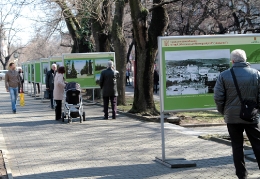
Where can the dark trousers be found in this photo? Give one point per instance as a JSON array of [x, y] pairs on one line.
[[34, 87], [236, 135], [58, 109], [20, 88], [51, 98], [113, 100], [155, 88]]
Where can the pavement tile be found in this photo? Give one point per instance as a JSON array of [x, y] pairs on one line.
[[40, 147]]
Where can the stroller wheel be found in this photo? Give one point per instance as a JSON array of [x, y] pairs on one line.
[[84, 116], [63, 116]]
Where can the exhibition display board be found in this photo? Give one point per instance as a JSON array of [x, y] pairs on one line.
[[25, 70], [44, 68], [29, 71], [190, 66], [32, 70], [37, 71], [57, 60], [85, 68]]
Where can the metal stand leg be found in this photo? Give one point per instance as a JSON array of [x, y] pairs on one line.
[[93, 95], [175, 162]]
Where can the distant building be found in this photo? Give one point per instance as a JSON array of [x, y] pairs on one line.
[[203, 70], [192, 69], [213, 75]]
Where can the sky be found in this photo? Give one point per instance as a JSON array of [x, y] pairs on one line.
[[197, 54], [26, 21], [102, 62], [79, 64]]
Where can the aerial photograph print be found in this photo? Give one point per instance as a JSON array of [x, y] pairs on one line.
[[194, 71]]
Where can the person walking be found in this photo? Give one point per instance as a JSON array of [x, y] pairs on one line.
[[58, 92], [228, 104], [108, 85], [12, 83], [155, 81], [49, 81]]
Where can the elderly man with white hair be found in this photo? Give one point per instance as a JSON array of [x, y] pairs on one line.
[[108, 84], [49, 81], [226, 96]]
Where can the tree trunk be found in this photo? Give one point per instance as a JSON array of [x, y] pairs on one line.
[[101, 29], [80, 31], [120, 48], [4, 63], [101, 37], [146, 49]]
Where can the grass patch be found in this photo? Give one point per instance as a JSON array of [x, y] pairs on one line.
[[189, 117], [198, 117]]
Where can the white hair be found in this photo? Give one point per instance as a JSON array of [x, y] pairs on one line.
[[110, 63], [238, 55], [54, 65]]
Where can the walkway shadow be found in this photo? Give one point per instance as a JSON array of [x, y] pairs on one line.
[[135, 171]]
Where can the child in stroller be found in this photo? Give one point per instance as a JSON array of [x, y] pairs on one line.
[[73, 107]]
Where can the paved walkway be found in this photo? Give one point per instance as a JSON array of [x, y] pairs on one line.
[[41, 148]]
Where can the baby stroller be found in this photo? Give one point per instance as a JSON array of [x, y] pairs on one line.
[[73, 107]]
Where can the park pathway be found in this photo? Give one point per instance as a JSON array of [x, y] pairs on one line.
[[41, 148]]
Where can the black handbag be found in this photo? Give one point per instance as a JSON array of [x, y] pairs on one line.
[[249, 108], [46, 94]]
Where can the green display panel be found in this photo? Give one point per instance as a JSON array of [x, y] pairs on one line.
[[45, 67], [190, 66], [85, 68], [29, 71], [25, 71], [22, 65], [37, 71], [57, 60], [32, 72]]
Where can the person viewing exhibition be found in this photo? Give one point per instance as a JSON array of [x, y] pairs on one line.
[[108, 85], [58, 92], [240, 81], [49, 81]]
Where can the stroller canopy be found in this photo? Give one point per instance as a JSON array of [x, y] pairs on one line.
[[72, 86]]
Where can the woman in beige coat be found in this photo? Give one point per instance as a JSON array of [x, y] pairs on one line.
[[58, 92]]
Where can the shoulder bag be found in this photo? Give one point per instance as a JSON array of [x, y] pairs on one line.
[[249, 108]]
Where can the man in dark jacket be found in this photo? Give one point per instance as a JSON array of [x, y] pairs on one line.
[[108, 84], [155, 81], [49, 81], [228, 104], [12, 83]]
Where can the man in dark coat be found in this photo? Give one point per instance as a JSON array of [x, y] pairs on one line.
[[155, 81], [108, 84], [49, 81], [229, 105]]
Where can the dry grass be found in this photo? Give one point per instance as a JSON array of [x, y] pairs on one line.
[[191, 117]]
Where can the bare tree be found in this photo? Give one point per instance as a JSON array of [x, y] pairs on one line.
[[9, 14], [43, 47], [146, 46], [213, 17], [120, 44]]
